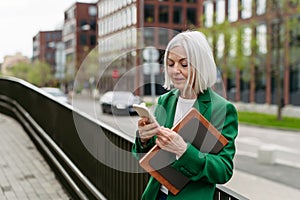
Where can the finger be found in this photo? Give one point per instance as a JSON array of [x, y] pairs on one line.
[[143, 121]]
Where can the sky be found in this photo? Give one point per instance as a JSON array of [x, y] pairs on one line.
[[21, 20]]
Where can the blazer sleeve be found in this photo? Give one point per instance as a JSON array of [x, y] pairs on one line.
[[213, 168]]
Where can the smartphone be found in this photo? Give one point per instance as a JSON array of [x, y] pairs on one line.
[[143, 111]]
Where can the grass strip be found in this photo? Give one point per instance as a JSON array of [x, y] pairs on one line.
[[268, 120]]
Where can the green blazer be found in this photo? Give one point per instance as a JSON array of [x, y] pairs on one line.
[[204, 170]]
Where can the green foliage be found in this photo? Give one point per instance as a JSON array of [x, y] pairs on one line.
[[38, 73], [20, 70], [267, 120]]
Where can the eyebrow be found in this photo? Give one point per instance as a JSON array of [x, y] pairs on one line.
[[179, 59]]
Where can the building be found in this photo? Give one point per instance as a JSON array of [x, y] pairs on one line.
[[11, 60], [44, 46], [127, 27], [79, 34], [265, 34]]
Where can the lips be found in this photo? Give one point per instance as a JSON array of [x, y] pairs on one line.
[[179, 79]]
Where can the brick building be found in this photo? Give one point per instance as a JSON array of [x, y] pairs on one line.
[[79, 34], [44, 46]]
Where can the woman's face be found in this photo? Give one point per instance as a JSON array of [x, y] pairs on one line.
[[178, 67]]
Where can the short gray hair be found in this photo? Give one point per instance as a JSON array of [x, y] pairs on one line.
[[200, 60]]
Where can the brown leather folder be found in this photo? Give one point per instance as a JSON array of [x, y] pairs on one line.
[[193, 128]]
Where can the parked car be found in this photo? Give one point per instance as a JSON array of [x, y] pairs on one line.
[[57, 93], [119, 102]]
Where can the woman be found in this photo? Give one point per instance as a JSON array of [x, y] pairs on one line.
[[190, 68]]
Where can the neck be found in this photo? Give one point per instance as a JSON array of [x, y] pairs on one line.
[[188, 95]]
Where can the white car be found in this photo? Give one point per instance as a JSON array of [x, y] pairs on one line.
[[57, 93], [119, 102]]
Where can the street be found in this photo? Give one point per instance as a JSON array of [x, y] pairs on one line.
[[268, 153]]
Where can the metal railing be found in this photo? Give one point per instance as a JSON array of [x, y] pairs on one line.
[[51, 126]]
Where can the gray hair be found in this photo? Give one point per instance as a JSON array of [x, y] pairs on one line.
[[200, 60]]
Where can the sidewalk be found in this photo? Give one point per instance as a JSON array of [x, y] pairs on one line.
[[257, 188], [24, 174]]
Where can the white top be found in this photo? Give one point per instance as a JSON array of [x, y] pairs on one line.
[[183, 106]]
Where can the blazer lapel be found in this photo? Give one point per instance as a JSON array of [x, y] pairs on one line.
[[203, 104]]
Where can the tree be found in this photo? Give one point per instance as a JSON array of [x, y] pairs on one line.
[[40, 74], [37, 73], [20, 70]]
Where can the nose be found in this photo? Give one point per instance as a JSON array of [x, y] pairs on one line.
[[177, 68]]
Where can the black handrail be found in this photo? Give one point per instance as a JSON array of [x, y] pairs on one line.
[[51, 126]]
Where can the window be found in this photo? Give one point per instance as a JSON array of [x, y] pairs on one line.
[[260, 7], [93, 40], [208, 14], [134, 14], [233, 44], [83, 22], [163, 14], [220, 13], [233, 10], [191, 16], [92, 11], [93, 25], [220, 46], [149, 36], [247, 34], [163, 36], [83, 39], [246, 9], [177, 15], [261, 38], [149, 13]]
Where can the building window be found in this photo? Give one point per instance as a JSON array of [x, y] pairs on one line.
[[177, 15], [149, 13], [233, 44], [246, 41], [163, 36], [260, 7], [233, 10], [191, 16], [92, 11], [134, 14], [246, 9], [220, 46], [261, 38], [149, 36], [83, 39], [163, 14], [208, 14], [220, 13], [93, 40], [83, 22]]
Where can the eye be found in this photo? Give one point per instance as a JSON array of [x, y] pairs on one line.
[[170, 63], [184, 64]]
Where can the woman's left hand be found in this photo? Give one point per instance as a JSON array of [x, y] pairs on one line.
[[171, 141]]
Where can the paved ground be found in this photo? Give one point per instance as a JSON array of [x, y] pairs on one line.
[[24, 174]]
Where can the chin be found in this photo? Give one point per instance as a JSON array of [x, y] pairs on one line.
[[179, 86]]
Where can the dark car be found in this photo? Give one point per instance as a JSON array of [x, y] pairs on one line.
[[119, 102]]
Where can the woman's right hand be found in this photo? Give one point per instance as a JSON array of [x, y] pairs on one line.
[[147, 130]]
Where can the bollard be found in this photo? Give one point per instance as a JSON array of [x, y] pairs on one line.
[[266, 154]]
